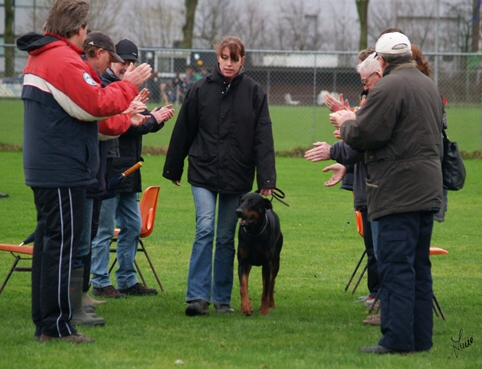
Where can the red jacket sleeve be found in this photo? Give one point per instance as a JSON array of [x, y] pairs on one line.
[[115, 126]]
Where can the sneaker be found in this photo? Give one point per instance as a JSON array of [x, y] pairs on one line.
[[373, 320], [73, 338], [107, 291], [363, 298], [197, 307], [138, 290], [223, 308]]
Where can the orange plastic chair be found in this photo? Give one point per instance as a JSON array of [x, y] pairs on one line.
[[19, 252], [148, 207]]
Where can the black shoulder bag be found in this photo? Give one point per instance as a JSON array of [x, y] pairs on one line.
[[453, 168]]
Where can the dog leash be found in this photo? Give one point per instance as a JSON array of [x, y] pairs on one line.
[[278, 195]]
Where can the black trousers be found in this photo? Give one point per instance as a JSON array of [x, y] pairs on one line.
[[60, 213], [372, 269], [403, 251]]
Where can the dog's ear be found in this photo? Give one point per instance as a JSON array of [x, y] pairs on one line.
[[267, 204]]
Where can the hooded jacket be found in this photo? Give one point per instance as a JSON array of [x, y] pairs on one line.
[[225, 129], [399, 128], [62, 103]]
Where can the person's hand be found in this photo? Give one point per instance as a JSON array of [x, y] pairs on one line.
[[138, 75], [138, 119], [321, 151], [334, 104], [163, 114], [177, 183], [337, 134], [340, 117], [143, 96], [339, 172], [135, 107], [266, 191]]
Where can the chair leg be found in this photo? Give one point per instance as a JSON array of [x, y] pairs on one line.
[[359, 279], [113, 264], [372, 306], [143, 249], [436, 306], [356, 269], [140, 273], [17, 259]]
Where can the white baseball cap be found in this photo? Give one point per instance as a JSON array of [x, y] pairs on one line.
[[393, 43]]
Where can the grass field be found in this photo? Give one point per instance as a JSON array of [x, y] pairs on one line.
[[293, 126], [315, 324]]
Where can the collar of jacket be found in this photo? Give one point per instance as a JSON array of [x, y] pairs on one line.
[[218, 77], [403, 62]]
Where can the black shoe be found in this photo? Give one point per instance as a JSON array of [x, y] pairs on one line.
[[138, 290], [197, 307], [4, 194], [378, 350]]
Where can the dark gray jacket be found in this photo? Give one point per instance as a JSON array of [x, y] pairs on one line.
[[225, 129], [399, 127]]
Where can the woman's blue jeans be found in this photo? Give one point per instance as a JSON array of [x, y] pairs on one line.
[[208, 280]]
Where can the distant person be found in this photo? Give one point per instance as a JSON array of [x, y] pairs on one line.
[[224, 128], [60, 154]]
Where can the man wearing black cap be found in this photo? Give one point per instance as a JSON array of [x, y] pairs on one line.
[[123, 209]]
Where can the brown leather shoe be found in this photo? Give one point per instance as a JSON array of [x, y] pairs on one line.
[[107, 291], [139, 290], [372, 320], [73, 338]]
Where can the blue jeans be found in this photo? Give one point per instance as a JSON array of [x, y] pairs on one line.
[[406, 292], [124, 211], [207, 280]]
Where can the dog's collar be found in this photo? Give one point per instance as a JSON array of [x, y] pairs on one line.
[[265, 225]]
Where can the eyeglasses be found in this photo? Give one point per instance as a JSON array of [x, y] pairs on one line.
[[365, 81]]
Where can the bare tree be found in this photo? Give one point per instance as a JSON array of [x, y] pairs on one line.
[[159, 25], [188, 28], [105, 16], [296, 28], [362, 8], [9, 38], [475, 26]]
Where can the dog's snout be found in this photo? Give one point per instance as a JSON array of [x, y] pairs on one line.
[[239, 212]]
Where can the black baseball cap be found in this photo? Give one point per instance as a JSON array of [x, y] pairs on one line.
[[103, 41], [127, 50]]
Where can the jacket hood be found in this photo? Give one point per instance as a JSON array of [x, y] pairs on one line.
[[33, 41]]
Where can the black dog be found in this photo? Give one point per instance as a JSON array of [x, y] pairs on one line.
[[260, 242]]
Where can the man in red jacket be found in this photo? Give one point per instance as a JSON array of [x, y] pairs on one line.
[[62, 103]]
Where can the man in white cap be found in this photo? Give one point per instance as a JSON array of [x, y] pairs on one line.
[[399, 128]]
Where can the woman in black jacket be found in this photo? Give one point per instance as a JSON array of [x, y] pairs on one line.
[[224, 128]]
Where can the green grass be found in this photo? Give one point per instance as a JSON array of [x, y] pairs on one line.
[[293, 126], [315, 324]]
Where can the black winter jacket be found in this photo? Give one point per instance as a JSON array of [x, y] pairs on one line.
[[130, 148], [345, 155], [226, 131]]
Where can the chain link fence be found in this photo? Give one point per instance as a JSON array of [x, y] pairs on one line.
[[295, 83]]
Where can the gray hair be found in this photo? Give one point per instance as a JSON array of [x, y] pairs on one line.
[[370, 65]]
